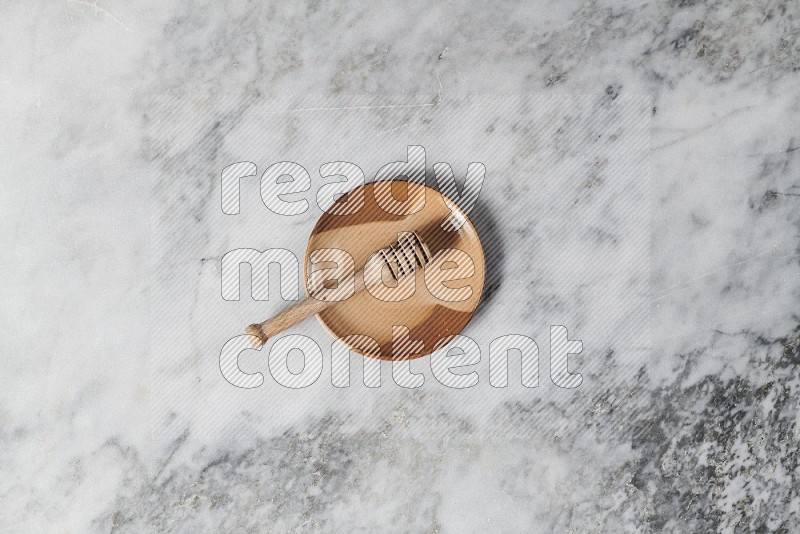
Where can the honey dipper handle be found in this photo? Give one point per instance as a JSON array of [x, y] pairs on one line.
[[293, 315]]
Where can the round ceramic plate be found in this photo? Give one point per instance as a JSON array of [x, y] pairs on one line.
[[359, 225]]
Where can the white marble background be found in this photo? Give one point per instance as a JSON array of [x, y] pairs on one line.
[[563, 213], [706, 438]]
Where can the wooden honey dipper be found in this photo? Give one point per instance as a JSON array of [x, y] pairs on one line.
[[403, 258]]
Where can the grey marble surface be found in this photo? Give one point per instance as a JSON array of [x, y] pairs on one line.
[[117, 120]]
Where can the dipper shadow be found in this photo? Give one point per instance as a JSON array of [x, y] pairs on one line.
[[485, 223], [482, 217]]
